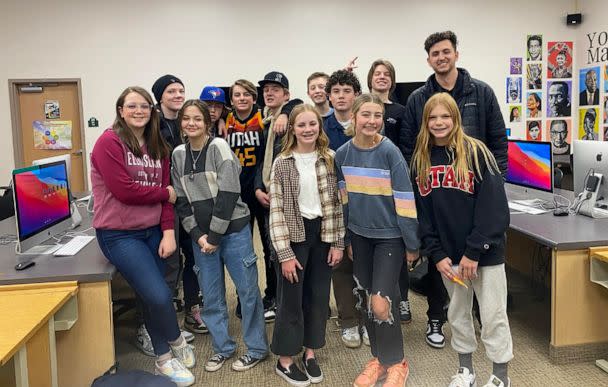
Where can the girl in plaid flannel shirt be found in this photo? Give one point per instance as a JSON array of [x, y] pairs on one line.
[[307, 230]]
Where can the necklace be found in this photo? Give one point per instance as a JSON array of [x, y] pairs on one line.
[[195, 159], [375, 140]]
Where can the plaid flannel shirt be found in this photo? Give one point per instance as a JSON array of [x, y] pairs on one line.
[[286, 224]]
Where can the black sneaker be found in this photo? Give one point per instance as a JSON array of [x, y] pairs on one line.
[[292, 375], [245, 363], [405, 313], [312, 369], [434, 334], [269, 309]]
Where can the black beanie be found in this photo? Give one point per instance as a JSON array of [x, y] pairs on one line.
[[161, 84]]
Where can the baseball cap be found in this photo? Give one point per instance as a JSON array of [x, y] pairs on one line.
[[213, 94], [275, 77]]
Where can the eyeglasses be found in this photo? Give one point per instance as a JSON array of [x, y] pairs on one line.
[[132, 107]]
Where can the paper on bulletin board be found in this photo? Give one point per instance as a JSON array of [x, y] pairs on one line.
[[52, 134]]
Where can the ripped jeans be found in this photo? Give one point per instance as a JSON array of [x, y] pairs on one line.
[[236, 253], [376, 269]]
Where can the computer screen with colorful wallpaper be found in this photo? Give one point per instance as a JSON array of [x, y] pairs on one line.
[[530, 164], [41, 195]]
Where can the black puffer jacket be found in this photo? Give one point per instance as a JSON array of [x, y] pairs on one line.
[[481, 116]]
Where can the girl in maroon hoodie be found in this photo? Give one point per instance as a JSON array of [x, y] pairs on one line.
[[134, 221]]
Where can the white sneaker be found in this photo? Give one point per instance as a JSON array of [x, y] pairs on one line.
[[350, 337], [365, 335], [175, 370], [187, 335], [464, 378], [185, 354], [144, 342], [495, 382]]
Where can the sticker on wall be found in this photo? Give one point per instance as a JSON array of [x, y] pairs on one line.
[[606, 110], [534, 105], [515, 66], [515, 113], [560, 134], [533, 130], [534, 73], [513, 89], [589, 84], [559, 60], [605, 133], [534, 44], [52, 134], [51, 110], [588, 124], [606, 78], [559, 95]]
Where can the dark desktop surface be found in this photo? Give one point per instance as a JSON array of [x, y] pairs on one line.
[[88, 265], [560, 232]]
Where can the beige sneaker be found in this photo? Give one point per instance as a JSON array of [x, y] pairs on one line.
[[175, 370], [372, 372]]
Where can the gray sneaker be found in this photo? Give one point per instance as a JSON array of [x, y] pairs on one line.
[[351, 337], [144, 342]]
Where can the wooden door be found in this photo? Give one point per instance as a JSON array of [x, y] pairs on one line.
[[34, 106]]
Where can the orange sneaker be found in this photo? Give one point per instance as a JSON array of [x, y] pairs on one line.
[[371, 373], [397, 375]]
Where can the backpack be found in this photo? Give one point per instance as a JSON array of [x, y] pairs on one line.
[[133, 378]]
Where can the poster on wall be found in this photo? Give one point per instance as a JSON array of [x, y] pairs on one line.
[[515, 65], [560, 134], [606, 78], [588, 123], [513, 89], [534, 44], [515, 113], [559, 94], [559, 60], [51, 110], [533, 130], [605, 133], [534, 73], [589, 79], [52, 134], [534, 105]]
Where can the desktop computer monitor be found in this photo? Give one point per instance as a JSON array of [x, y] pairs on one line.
[[42, 205], [587, 156], [67, 158], [530, 164]]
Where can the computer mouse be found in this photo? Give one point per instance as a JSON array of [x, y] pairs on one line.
[[560, 212], [24, 265]]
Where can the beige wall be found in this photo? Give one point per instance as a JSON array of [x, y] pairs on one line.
[[112, 44]]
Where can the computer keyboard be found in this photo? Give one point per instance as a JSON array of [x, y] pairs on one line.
[[527, 209], [73, 246]]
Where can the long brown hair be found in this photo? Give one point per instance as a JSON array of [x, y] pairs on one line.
[[322, 145], [200, 105], [463, 149], [155, 143]]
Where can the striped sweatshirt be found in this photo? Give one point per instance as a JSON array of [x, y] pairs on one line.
[[208, 193], [377, 193]]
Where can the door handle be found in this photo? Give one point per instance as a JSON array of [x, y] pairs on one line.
[[77, 153]]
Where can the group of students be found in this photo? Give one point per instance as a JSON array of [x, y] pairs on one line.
[[334, 200]]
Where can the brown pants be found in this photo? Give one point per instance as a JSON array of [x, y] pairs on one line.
[[342, 277]]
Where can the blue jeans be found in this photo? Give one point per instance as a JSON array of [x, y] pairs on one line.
[[135, 255], [236, 252]]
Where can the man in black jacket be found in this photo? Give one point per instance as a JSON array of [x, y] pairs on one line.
[[481, 118]]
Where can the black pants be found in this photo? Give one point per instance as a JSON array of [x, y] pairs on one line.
[[404, 282], [302, 306], [342, 277], [436, 294], [260, 214], [189, 280], [376, 268]]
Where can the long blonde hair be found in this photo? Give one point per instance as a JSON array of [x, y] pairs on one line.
[[463, 149], [290, 142]]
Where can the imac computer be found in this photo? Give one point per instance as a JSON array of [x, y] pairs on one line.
[[591, 157], [530, 165], [42, 205], [68, 164]]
